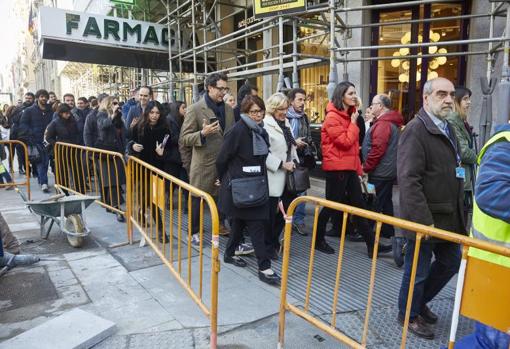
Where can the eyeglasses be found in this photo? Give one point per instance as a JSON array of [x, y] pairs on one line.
[[256, 112], [222, 89], [115, 103], [283, 109]]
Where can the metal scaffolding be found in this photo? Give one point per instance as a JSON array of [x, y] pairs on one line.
[[217, 46], [204, 38]]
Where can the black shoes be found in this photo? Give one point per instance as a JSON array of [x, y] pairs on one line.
[[418, 327], [324, 247], [235, 260], [270, 279], [167, 238], [428, 316], [382, 249], [120, 217]]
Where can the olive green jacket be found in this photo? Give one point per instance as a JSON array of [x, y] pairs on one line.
[[467, 152]]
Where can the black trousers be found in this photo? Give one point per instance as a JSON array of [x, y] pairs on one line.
[[195, 213], [256, 230], [343, 186], [20, 153], [276, 220]]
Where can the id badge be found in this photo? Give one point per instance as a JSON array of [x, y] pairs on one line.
[[460, 172]]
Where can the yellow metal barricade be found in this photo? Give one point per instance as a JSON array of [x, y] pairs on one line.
[[474, 285], [10, 146], [151, 196], [92, 171]]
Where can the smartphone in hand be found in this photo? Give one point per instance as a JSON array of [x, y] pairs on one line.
[[163, 144], [213, 120]]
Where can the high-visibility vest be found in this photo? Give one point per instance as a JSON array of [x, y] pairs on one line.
[[489, 228]]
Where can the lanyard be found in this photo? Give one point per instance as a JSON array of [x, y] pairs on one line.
[[448, 134]]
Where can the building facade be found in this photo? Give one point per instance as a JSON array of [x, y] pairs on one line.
[[382, 47]]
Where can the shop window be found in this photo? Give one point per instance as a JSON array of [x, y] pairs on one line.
[[402, 77], [314, 80]]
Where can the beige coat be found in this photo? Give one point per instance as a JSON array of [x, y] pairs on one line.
[[277, 154], [202, 168]]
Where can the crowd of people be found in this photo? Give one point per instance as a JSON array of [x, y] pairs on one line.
[[253, 155]]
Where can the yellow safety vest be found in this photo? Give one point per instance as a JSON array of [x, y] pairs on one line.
[[489, 228]]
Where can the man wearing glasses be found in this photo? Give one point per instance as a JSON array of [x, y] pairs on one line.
[[136, 111], [201, 137]]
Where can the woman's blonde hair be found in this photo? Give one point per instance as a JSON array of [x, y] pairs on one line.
[[106, 105], [276, 101]]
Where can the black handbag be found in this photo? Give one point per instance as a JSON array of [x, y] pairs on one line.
[[249, 191], [298, 180], [34, 154]]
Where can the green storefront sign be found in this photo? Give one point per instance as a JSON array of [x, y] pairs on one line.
[[118, 30]]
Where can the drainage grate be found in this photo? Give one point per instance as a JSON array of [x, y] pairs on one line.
[[20, 289]]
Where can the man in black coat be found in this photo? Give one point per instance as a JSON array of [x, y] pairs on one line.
[[90, 131], [431, 193], [33, 123], [15, 123]]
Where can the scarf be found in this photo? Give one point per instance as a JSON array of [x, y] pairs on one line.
[[260, 143], [217, 108], [287, 134], [294, 120]]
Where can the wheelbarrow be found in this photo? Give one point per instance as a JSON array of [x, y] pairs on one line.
[[66, 212]]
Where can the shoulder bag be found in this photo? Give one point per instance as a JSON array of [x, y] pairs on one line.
[[297, 181], [34, 154], [249, 191]]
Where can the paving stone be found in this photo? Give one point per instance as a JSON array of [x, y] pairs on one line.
[[74, 329], [172, 340], [113, 342]]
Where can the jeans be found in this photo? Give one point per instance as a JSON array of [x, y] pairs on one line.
[[384, 203], [299, 212], [42, 167], [5, 176], [484, 337], [430, 277]]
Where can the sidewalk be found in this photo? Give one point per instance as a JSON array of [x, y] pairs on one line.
[[130, 286]]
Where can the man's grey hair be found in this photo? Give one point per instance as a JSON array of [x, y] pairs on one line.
[[385, 101], [427, 88]]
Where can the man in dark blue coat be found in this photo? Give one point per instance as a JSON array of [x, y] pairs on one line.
[[136, 111], [33, 123]]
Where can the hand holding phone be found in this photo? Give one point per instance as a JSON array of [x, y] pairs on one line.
[[209, 128], [163, 144]]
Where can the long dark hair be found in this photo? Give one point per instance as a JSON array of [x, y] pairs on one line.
[[338, 94], [144, 122], [174, 111]]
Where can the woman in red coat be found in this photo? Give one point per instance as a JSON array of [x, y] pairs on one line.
[[341, 164]]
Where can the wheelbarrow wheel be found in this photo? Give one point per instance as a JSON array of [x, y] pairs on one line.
[[74, 224]]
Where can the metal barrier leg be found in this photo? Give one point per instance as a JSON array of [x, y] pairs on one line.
[[416, 256], [285, 272], [458, 297]]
